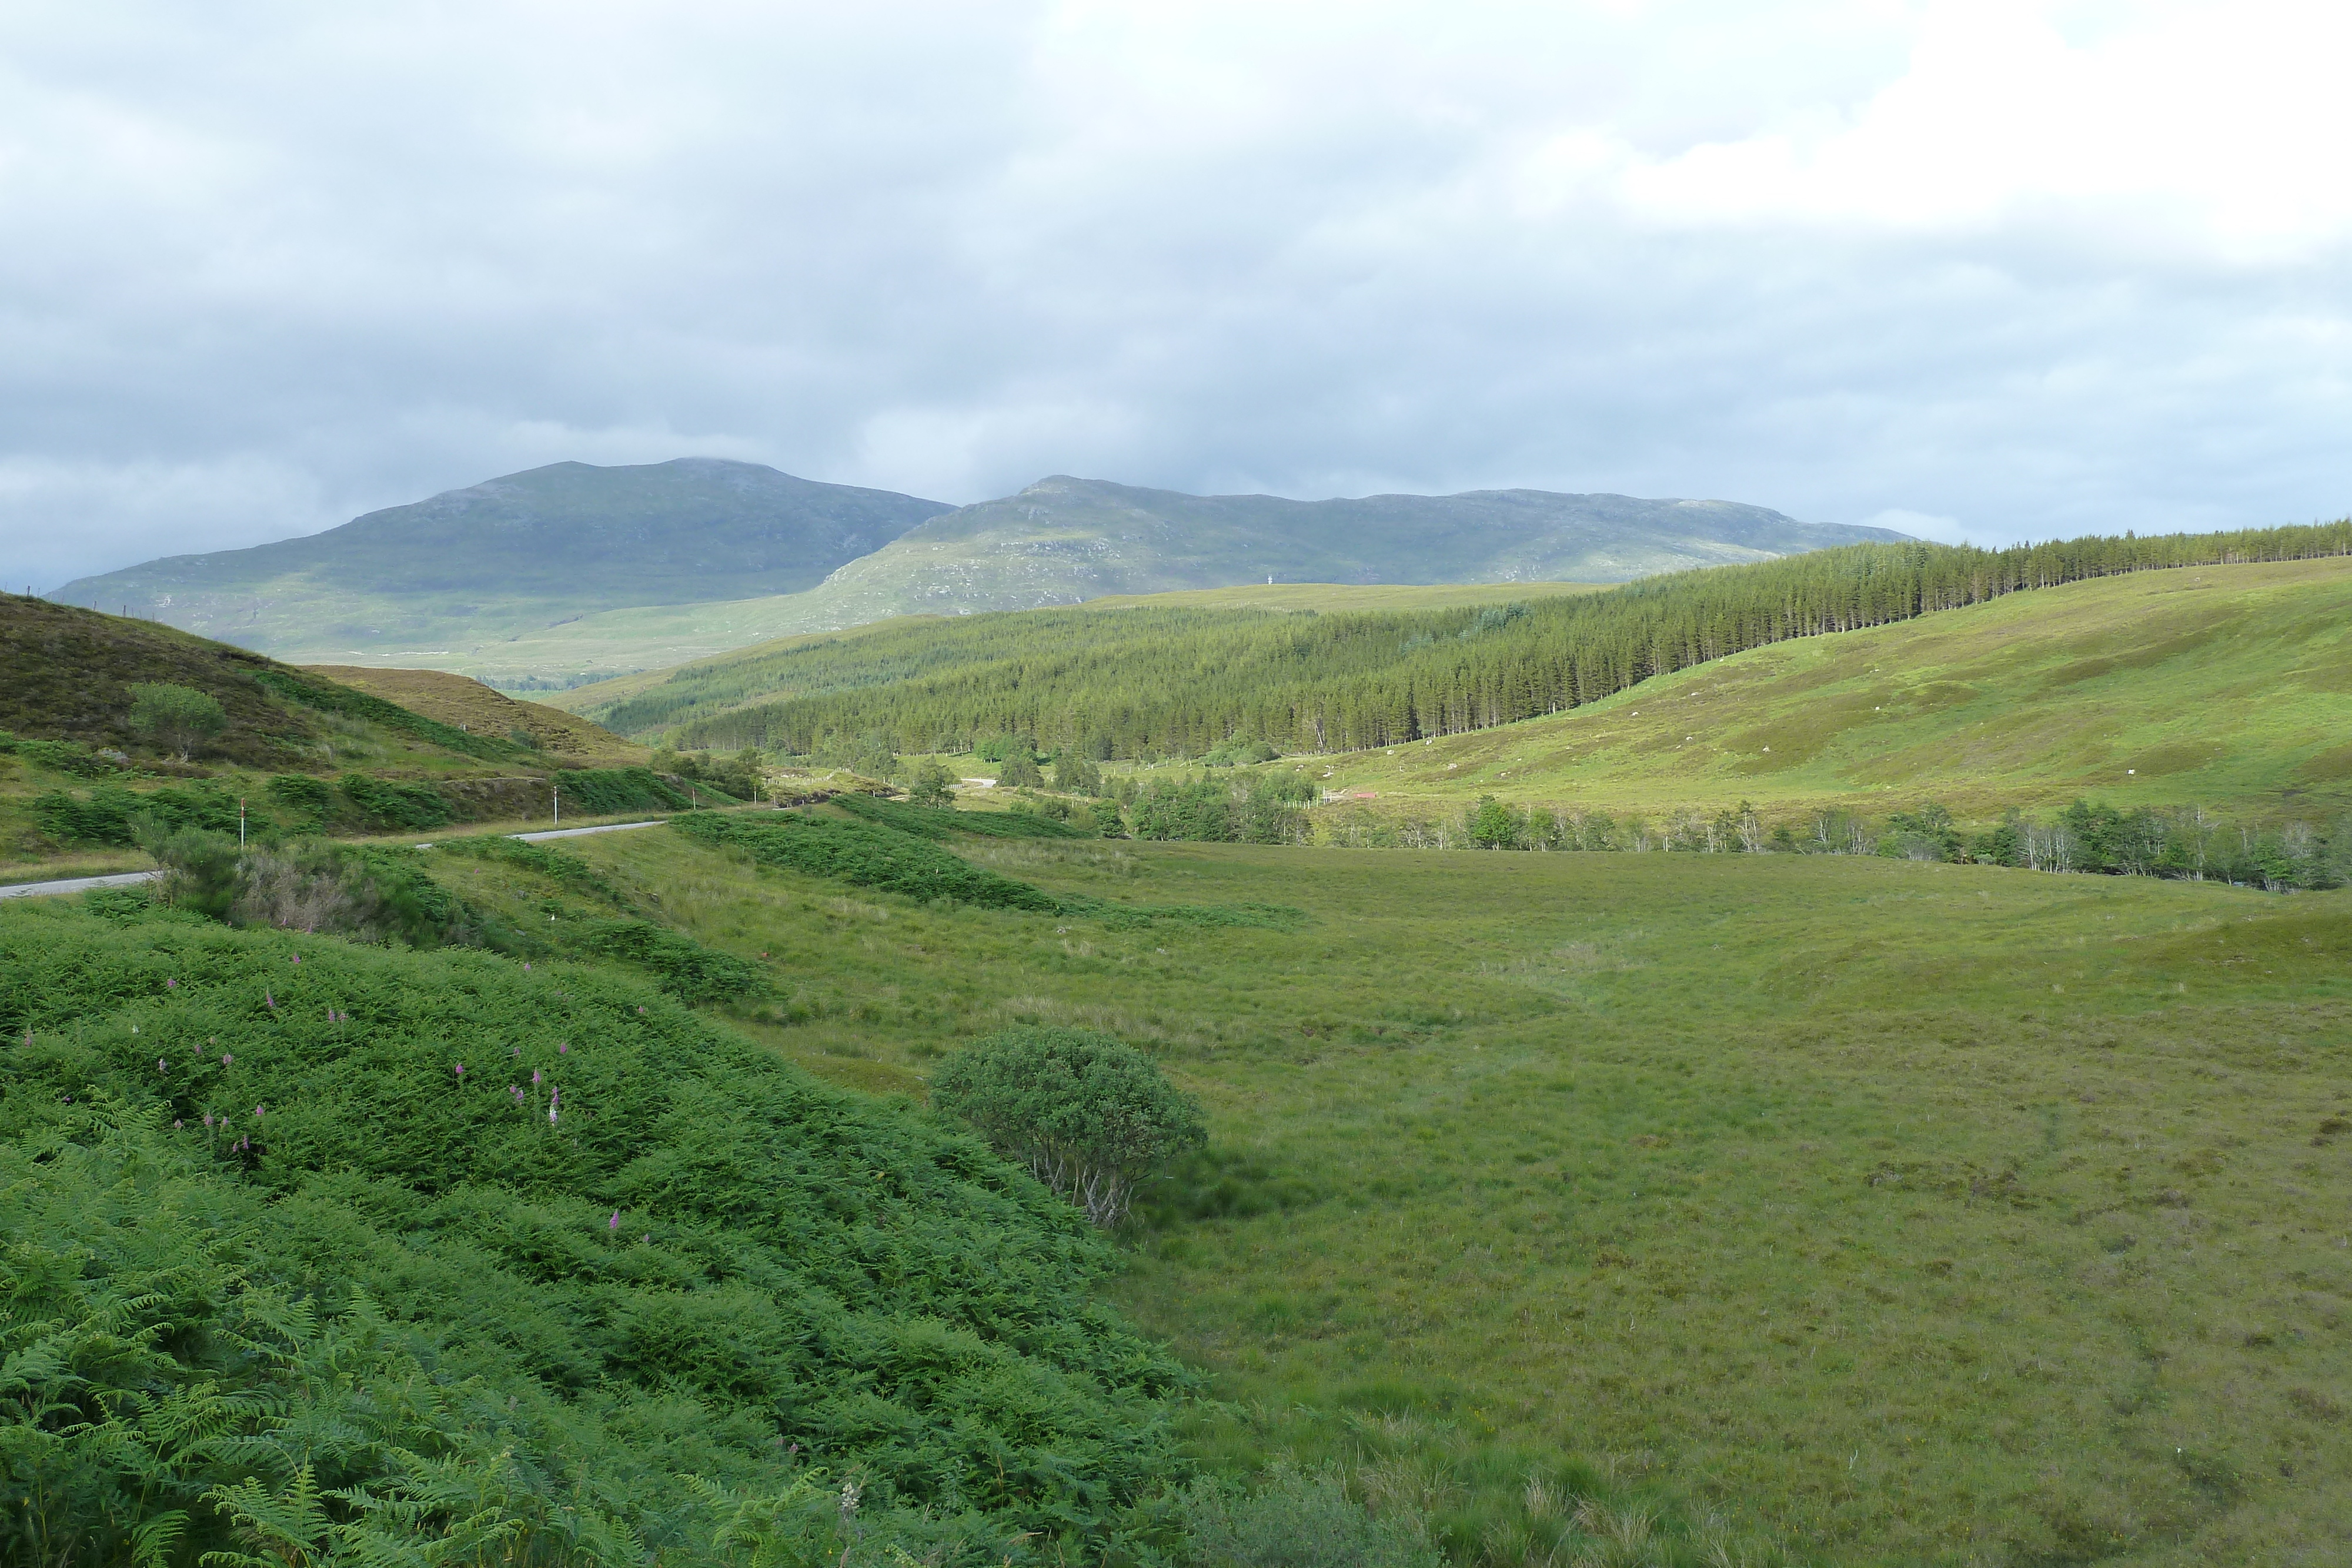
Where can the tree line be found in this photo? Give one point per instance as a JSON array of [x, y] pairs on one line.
[[2188, 842], [1158, 683]]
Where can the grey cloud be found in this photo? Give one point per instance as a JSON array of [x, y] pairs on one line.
[[277, 266]]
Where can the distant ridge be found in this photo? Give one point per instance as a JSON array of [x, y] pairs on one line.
[[1064, 541], [517, 553], [551, 575]]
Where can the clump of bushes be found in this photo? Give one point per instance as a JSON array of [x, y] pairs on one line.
[[1251, 809], [736, 777], [1239, 751], [934, 822], [1090, 1116], [109, 814], [308, 884], [68, 757], [864, 856]]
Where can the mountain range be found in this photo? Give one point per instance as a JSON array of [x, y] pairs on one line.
[[572, 571]]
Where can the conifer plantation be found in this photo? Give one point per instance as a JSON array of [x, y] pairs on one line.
[[1152, 683]]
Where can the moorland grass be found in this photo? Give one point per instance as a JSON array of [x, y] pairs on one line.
[[1896, 1213]]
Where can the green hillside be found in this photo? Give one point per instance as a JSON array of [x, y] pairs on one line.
[[447, 577], [2215, 684], [296, 751], [66, 674]]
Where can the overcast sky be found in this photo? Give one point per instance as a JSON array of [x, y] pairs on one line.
[[1979, 270]]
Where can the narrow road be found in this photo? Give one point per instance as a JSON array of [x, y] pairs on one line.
[[576, 832], [131, 878], [76, 884]]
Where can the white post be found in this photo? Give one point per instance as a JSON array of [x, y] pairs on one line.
[[240, 821], [557, 790]]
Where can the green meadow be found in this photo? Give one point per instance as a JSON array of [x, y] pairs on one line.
[[1813, 1210]]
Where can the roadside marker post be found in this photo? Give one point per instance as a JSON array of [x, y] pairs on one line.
[[240, 821], [557, 790]]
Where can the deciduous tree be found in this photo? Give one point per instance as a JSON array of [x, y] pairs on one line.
[[1091, 1116]]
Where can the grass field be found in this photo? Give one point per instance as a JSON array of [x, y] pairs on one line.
[[1892, 1213], [2223, 685]]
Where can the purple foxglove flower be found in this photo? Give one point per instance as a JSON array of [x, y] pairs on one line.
[[461, 1069], [171, 985], [297, 958], [615, 1223], [257, 1113], [563, 1048], [227, 1058]]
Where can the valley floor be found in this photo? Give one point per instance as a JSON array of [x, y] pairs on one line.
[[1890, 1212]]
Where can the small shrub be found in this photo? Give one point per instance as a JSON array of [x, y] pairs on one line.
[[200, 869], [1091, 1116], [177, 718]]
